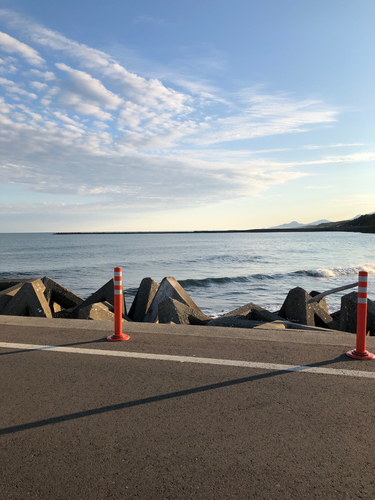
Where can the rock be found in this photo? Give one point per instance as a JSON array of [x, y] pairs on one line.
[[58, 296], [104, 294], [296, 308], [348, 314], [29, 301], [174, 311], [143, 299], [169, 287]]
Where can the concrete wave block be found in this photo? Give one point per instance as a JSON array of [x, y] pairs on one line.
[[63, 313], [273, 325], [99, 311], [104, 294], [240, 311], [169, 287], [57, 295], [7, 294], [348, 314], [253, 312], [322, 302], [143, 299], [298, 309], [259, 314], [29, 301], [236, 321], [171, 310], [7, 283]]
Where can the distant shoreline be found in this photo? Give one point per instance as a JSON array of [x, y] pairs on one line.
[[353, 229]]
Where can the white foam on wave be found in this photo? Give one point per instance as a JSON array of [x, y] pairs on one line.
[[344, 271]]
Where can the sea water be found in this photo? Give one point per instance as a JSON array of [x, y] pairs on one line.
[[220, 271]]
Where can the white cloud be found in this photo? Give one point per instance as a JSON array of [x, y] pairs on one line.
[[14, 88], [11, 45], [363, 157], [65, 118], [76, 101], [264, 115], [99, 124], [47, 75], [39, 86], [91, 88], [4, 108]]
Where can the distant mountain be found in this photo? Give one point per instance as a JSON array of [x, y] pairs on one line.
[[359, 223], [367, 220], [295, 224]]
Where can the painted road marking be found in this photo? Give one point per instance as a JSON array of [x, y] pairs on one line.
[[190, 359]]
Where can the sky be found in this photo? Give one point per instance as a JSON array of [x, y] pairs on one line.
[[164, 115]]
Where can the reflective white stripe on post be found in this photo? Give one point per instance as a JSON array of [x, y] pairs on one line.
[[118, 273], [363, 279], [362, 301], [362, 289], [118, 292]]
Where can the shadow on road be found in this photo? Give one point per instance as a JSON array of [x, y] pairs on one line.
[[162, 397]]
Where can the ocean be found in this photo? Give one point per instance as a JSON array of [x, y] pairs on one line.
[[220, 271]]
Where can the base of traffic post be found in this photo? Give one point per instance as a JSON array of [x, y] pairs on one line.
[[115, 338], [360, 355]]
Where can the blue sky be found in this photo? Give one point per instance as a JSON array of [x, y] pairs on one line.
[[168, 115]]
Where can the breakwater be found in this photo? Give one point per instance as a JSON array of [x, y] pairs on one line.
[[168, 302]]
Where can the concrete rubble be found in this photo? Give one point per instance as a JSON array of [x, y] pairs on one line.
[[170, 303]]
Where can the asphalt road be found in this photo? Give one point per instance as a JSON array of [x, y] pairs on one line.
[[99, 421]]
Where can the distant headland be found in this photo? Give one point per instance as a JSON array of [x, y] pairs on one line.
[[360, 224]]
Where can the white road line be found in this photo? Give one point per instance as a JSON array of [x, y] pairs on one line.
[[189, 359]]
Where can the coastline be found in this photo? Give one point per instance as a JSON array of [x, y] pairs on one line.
[[350, 229]]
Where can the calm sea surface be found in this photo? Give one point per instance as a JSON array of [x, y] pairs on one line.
[[219, 271]]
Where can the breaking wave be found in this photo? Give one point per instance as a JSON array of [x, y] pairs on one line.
[[337, 271], [312, 273]]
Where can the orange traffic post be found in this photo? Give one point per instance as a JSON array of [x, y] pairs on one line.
[[360, 351], [118, 299]]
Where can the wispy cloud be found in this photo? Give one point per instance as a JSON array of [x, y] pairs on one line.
[[148, 20]]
